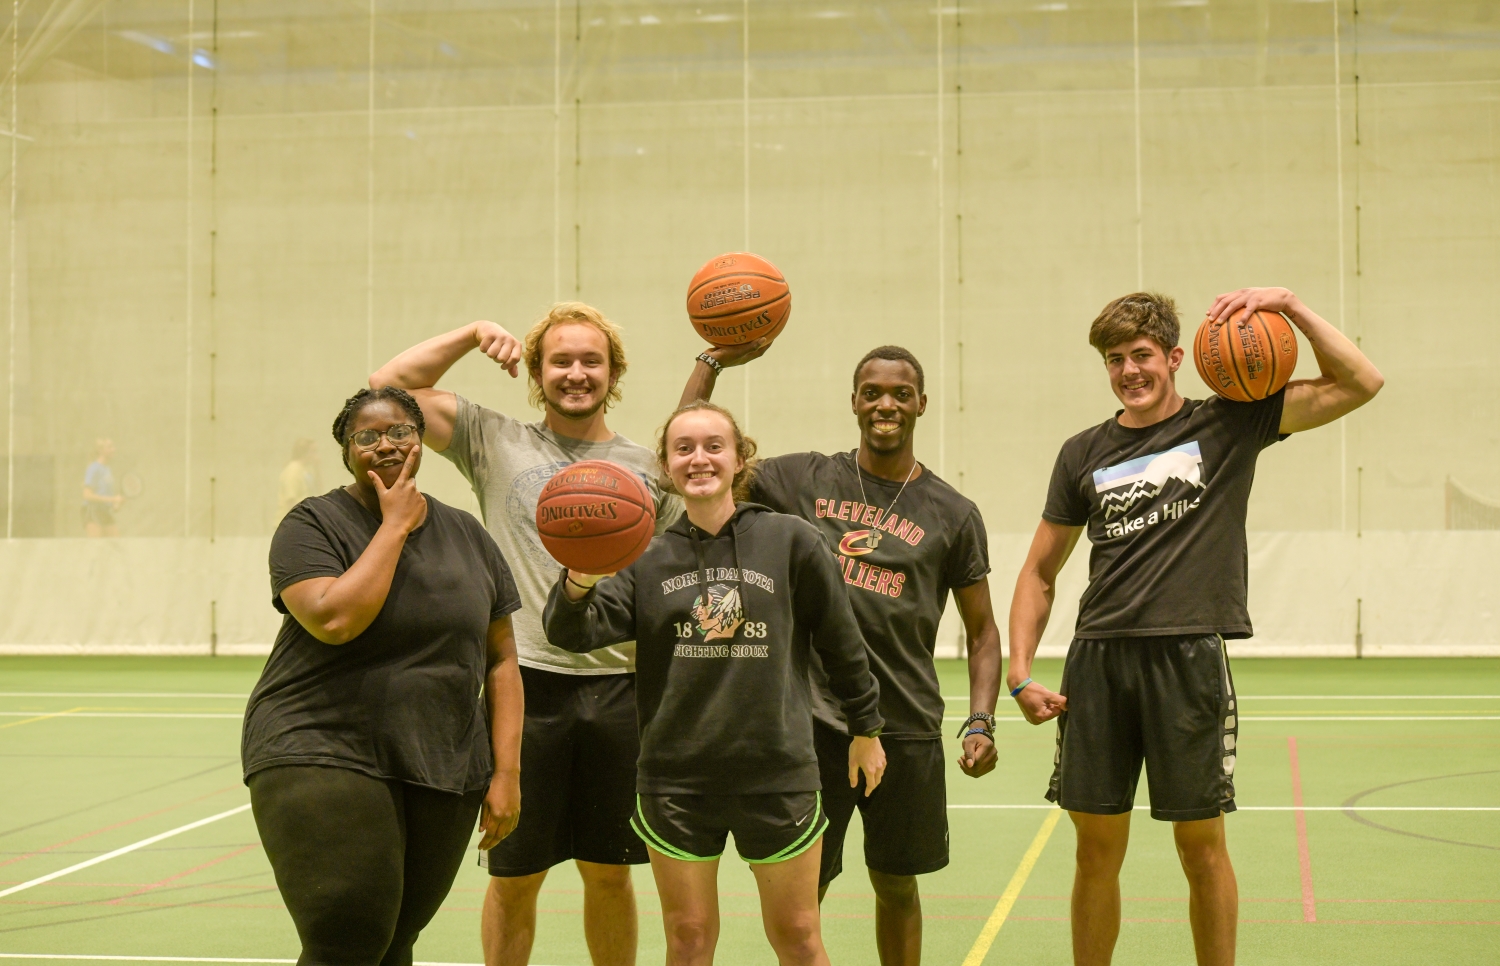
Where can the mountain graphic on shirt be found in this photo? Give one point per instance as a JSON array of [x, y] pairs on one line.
[[1125, 485]]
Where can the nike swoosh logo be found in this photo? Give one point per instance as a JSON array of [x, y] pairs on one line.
[[800, 821]]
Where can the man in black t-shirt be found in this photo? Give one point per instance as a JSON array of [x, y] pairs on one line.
[[1162, 489], [903, 538]]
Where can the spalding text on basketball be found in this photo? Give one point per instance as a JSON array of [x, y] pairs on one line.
[[722, 331], [1214, 358], [603, 510]]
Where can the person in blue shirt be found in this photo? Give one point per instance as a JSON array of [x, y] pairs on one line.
[[100, 497]]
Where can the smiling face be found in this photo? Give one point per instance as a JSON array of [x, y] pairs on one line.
[[1142, 373], [701, 456], [384, 457], [887, 404], [575, 376]]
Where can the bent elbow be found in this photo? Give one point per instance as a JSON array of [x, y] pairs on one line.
[[1374, 382]]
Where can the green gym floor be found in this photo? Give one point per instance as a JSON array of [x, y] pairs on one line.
[[1392, 858]]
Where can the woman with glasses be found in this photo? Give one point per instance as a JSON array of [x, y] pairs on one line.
[[389, 713]]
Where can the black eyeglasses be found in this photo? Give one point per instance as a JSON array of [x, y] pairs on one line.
[[370, 438]]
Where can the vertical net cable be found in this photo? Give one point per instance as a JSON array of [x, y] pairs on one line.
[[1135, 42], [942, 255], [556, 150], [745, 137], [10, 345], [1338, 163], [187, 326], [370, 197]]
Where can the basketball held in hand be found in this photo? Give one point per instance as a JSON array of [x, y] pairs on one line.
[[1246, 357], [738, 298], [595, 517]]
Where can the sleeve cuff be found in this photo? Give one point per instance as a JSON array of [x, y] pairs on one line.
[[866, 724]]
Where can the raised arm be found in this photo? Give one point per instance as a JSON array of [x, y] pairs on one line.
[[586, 612], [336, 610], [1346, 378], [419, 368], [700, 384], [1029, 610], [978, 615], [505, 701]]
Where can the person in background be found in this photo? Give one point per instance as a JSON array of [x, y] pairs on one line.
[[100, 496], [388, 715], [300, 477]]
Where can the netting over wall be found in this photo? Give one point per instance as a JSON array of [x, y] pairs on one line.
[[1467, 510], [220, 216]]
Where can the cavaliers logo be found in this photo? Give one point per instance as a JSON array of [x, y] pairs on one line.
[[722, 615], [856, 543]]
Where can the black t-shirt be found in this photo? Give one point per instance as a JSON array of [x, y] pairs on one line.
[[403, 700], [899, 562], [1165, 511]]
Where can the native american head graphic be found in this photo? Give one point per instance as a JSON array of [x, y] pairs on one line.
[[722, 615]]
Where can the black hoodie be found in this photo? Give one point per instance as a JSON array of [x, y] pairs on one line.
[[722, 691]]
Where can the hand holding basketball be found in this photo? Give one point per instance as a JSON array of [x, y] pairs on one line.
[[738, 355], [1270, 299], [499, 345]]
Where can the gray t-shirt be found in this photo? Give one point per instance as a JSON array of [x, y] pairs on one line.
[[507, 462]]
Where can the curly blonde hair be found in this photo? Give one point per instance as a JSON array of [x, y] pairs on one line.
[[744, 448], [564, 313]]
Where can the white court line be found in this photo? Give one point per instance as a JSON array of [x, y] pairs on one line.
[[176, 959], [123, 850], [1249, 717], [120, 694], [1371, 717], [1294, 808], [127, 714], [1299, 697]]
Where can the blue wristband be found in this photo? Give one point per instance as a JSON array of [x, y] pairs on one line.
[[1020, 687]]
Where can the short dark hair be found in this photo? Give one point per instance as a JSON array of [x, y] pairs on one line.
[[892, 353], [1132, 316], [368, 397]]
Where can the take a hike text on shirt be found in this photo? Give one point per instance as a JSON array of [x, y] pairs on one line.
[[1165, 512], [899, 563]]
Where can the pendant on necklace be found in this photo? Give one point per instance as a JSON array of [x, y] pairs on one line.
[[873, 540]]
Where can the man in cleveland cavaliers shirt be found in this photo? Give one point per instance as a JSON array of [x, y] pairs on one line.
[[903, 538]]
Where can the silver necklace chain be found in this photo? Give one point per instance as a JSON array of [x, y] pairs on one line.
[[875, 536]]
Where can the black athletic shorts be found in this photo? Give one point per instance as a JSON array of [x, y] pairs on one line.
[[578, 751], [1167, 700], [767, 828], [905, 818]]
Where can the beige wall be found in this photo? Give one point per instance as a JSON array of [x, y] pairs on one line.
[[207, 299]]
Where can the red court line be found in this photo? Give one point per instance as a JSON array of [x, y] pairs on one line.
[[1304, 860], [184, 874], [109, 828]]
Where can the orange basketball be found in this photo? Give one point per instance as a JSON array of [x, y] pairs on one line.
[[595, 517], [1245, 359], [738, 298]]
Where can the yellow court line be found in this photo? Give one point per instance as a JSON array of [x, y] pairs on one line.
[[41, 717], [997, 918]]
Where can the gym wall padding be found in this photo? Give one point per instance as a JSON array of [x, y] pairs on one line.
[[1408, 594], [222, 225]]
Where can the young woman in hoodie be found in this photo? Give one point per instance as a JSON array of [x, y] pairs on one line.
[[726, 607]]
